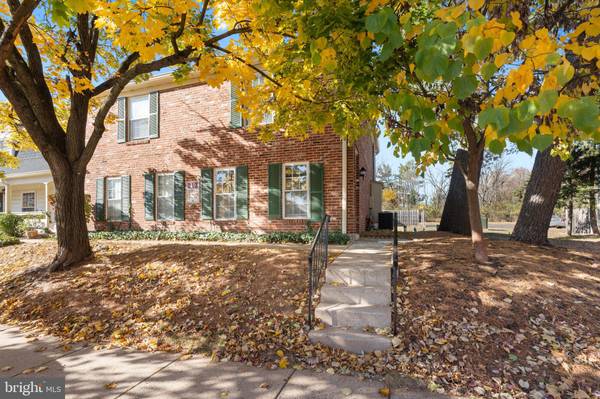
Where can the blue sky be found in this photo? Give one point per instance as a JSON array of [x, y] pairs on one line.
[[386, 155]]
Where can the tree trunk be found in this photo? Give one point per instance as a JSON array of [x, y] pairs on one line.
[[540, 198], [455, 216], [471, 178], [569, 221], [71, 228], [592, 201]]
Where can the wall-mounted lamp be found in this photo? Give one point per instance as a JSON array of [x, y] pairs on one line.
[[362, 173]]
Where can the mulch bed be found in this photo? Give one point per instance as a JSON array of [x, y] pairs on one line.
[[528, 327]]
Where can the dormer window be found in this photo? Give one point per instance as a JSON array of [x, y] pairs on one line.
[[138, 113]]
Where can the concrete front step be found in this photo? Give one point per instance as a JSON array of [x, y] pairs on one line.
[[345, 315], [358, 276], [356, 295], [351, 340]]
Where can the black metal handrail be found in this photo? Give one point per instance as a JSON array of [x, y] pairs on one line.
[[317, 263], [394, 279]]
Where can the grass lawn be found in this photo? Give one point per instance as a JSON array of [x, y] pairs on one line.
[[527, 327]]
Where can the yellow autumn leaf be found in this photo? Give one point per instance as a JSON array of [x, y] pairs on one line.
[[501, 59], [507, 37], [384, 391], [279, 353], [476, 4], [283, 363], [516, 19], [589, 53]]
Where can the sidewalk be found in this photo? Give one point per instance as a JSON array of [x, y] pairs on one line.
[[119, 373]]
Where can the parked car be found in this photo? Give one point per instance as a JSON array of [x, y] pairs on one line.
[[557, 222]]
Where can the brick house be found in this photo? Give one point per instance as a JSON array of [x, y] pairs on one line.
[[178, 159]]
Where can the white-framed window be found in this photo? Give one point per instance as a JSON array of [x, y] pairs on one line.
[[113, 198], [165, 196], [225, 193], [28, 202], [268, 117], [295, 190], [138, 117]]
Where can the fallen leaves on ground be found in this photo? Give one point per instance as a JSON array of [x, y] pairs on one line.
[[529, 327]]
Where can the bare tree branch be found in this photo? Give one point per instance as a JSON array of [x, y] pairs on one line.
[[9, 35]]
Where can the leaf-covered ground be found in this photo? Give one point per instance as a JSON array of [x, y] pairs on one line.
[[529, 327]]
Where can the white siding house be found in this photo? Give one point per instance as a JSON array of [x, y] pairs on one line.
[[25, 189]]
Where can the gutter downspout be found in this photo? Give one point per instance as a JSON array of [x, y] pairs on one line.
[[344, 186]]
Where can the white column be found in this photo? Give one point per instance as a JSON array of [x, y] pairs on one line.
[[46, 203]]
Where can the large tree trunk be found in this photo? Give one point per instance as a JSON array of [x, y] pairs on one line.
[[471, 178], [71, 229], [455, 216], [592, 201], [540, 198]]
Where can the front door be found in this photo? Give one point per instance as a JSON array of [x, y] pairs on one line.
[[2, 201]]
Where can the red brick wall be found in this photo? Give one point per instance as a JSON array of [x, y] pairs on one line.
[[360, 155], [195, 134]]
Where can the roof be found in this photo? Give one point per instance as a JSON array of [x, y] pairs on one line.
[[29, 162]]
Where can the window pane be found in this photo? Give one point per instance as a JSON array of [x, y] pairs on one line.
[[296, 204], [225, 206], [138, 129], [139, 107], [225, 181], [114, 209], [28, 204], [114, 189], [165, 202]]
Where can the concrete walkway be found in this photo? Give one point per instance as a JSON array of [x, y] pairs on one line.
[[119, 373], [355, 298]]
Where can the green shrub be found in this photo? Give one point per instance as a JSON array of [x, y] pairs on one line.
[[11, 224], [6, 240], [335, 237]]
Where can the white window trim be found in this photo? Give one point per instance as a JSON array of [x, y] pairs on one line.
[[108, 199], [234, 193], [23, 199], [283, 190], [157, 197], [129, 120]]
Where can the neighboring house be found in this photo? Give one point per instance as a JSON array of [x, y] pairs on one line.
[[178, 159], [25, 190]]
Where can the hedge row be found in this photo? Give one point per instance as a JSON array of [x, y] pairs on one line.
[[6, 240], [335, 237]]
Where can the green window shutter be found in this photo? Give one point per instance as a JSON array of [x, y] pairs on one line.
[[153, 122], [149, 196], [206, 192], [241, 188], [236, 116], [317, 208], [125, 197], [121, 120], [275, 191], [179, 195], [99, 208]]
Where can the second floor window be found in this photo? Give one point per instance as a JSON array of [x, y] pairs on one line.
[[138, 115]]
